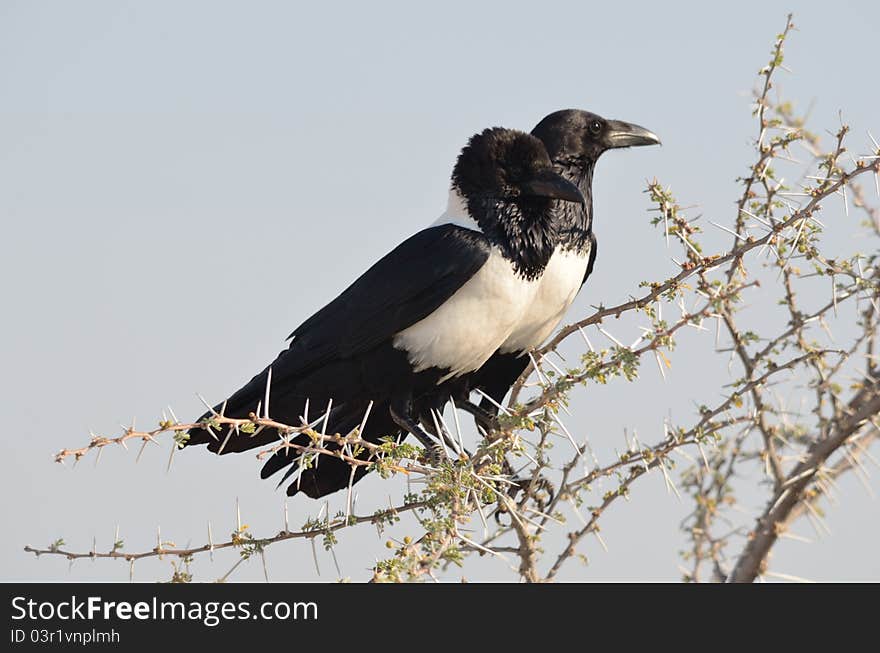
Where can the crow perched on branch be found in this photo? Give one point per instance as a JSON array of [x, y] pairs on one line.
[[574, 140]]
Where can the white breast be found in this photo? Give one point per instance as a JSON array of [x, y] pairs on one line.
[[557, 289], [471, 325]]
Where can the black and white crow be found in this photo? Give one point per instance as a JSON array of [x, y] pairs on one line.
[[431, 311], [574, 140]]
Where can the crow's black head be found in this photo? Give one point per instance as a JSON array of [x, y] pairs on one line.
[[574, 140], [507, 181], [573, 135], [508, 165]]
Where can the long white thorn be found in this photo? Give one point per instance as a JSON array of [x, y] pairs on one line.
[[730, 231], [363, 423], [586, 339], [543, 379], [666, 227], [610, 337], [479, 546], [348, 499], [556, 419], [207, 405], [493, 402], [439, 432], [170, 457], [457, 423], [660, 365], [266, 398], [326, 417], [229, 432], [476, 500]]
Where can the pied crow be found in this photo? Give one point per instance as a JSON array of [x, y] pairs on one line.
[[431, 311], [575, 140]]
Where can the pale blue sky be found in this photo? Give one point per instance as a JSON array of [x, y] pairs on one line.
[[181, 183]]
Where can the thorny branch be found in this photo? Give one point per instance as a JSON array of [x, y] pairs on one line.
[[752, 440]]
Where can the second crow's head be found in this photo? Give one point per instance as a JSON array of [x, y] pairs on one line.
[[505, 166], [575, 136], [507, 181]]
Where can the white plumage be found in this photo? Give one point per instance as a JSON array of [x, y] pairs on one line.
[[480, 316], [456, 213], [557, 289], [471, 325]]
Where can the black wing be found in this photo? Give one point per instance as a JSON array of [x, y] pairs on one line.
[[405, 286]]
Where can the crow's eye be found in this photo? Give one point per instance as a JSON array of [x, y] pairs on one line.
[[595, 127]]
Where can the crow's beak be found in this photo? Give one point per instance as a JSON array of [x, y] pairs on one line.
[[625, 134], [549, 184]]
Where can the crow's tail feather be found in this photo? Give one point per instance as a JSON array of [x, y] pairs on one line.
[[327, 475]]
